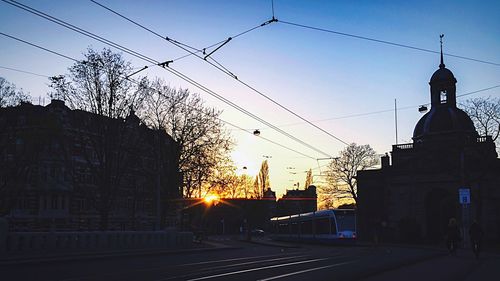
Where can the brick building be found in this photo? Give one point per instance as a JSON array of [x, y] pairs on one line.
[[63, 169]]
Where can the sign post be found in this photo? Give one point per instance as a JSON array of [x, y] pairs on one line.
[[464, 200]]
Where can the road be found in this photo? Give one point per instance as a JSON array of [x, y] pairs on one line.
[[252, 261]]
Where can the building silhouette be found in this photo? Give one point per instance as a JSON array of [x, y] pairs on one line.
[[236, 215], [296, 201], [416, 191], [63, 169]]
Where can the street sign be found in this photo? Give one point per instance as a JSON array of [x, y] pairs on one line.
[[464, 195]]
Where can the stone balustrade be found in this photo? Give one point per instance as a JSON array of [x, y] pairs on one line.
[[59, 242]]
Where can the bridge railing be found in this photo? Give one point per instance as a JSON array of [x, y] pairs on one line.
[[56, 242]]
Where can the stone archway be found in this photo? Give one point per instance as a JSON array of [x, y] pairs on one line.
[[439, 208]]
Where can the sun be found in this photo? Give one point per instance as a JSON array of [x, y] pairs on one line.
[[210, 198]]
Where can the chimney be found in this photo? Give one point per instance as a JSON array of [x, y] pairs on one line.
[[385, 161]]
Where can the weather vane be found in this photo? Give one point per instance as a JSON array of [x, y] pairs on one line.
[[441, 42]]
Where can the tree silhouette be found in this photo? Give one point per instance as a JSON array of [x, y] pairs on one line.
[[342, 171], [263, 177], [195, 127], [10, 95], [485, 113], [309, 179]]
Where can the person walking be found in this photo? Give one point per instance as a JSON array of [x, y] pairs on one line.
[[476, 236], [452, 236]]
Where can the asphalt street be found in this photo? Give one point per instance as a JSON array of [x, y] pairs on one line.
[[230, 259]]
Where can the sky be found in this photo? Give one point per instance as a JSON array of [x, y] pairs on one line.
[[344, 85]]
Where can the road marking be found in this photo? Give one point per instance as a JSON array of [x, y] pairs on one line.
[[251, 262], [304, 271], [255, 269], [245, 258], [229, 265]]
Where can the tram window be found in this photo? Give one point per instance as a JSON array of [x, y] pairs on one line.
[[322, 226], [346, 221], [334, 226], [295, 227], [283, 228], [306, 227]]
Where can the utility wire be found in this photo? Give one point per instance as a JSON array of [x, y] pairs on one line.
[[271, 141], [385, 42], [140, 56], [37, 46], [24, 71], [79, 30], [135, 82], [236, 78], [384, 110], [221, 98]]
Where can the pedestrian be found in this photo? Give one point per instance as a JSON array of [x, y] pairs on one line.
[[476, 236], [452, 236]]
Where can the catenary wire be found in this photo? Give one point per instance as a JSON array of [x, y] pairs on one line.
[[135, 82], [294, 124], [237, 79], [79, 30], [385, 42], [24, 71], [140, 56]]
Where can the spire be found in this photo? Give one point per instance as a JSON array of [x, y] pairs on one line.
[[441, 41]]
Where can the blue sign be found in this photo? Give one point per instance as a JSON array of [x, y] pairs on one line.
[[464, 195]]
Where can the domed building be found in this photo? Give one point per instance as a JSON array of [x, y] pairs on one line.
[[448, 171]]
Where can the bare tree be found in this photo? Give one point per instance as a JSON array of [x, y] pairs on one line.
[[485, 113], [10, 95], [98, 85], [342, 171], [197, 128], [264, 182], [309, 179], [256, 188], [226, 183]]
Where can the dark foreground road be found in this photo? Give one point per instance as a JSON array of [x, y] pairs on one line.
[[248, 261]]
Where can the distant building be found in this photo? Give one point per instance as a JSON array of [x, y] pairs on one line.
[[234, 215], [61, 169], [297, 201], [413, 198]]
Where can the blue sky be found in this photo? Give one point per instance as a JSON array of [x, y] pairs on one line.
[[320, 76]]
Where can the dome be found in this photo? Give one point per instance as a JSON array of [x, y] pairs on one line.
[[443, 74], [444, 120]]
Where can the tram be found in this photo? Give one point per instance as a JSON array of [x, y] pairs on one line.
[[326, 226]]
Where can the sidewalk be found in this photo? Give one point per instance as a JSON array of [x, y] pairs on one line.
[[92, 255], [463, 266]]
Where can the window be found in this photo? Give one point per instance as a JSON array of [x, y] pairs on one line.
[[283, 228], [53, 203], [322, 226], [443, 96], [306, 227]]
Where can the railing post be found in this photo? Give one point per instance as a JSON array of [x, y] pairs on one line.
[[4, 232]]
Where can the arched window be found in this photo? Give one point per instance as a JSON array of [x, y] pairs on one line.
[[443, 96]]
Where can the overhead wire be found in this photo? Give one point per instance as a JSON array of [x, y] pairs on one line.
[[386, 110], [137, 83], [232, 75], [176, 73], [271, 141], [78, 30], [385, 42], [24, 71]]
